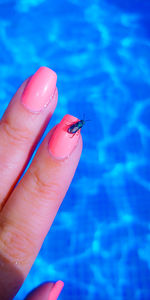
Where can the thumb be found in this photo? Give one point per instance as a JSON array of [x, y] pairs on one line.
[[46, 291]]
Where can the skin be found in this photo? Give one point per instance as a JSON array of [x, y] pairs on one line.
[[27, 209]]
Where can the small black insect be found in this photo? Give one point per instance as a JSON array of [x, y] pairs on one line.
[[76, 126]]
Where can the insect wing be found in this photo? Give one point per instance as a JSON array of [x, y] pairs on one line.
[[74, 128]]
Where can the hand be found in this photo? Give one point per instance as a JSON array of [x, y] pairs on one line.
[[28, 209]]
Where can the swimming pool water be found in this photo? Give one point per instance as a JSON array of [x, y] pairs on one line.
[[99, 243]]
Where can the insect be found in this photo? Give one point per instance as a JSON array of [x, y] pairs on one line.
[[76, 126]]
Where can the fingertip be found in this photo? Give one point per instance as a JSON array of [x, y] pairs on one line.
[[62, 143], [41, 292]]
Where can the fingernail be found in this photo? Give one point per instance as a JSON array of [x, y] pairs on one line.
[[62, 143], [56, 290], [39, 90]]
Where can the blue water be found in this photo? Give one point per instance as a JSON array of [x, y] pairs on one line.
[[99, 243]]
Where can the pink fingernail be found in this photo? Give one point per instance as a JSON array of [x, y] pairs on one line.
[[39, 90], [62, 143], [56, 290]]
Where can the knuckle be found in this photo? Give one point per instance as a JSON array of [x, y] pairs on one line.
[[15, 242], [43, 186], [15, 133]]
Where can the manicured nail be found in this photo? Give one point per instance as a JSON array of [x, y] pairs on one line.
[[39, 90], [62, 142], [56, 290]]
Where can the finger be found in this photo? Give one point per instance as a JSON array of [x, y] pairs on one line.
[[22, 125], [46, 291], [32, 206]]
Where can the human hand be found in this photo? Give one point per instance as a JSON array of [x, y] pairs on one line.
[[28, 207]]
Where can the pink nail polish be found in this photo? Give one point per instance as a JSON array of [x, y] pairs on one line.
[[56, 290], [39, 90], [62, 143]]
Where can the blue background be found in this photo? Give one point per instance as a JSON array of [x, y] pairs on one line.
[[99, 243]]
